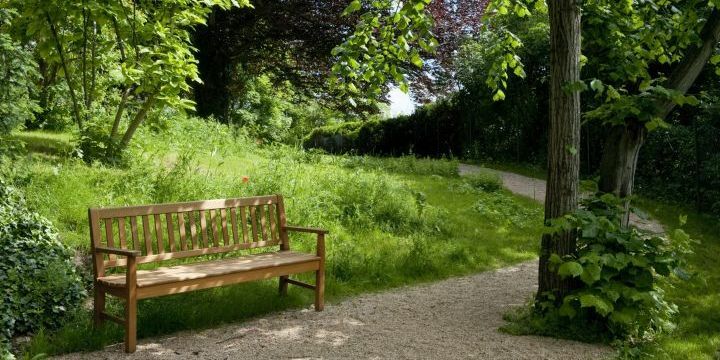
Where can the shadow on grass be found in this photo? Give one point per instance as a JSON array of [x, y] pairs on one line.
[[45, 142]]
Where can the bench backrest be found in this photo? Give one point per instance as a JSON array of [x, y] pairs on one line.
[[173, 231]]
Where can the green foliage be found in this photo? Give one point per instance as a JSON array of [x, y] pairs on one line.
[[621, 273], [40, 283], [387, 41], [697, 335], [408, 165], [430, 131], [485, 180], [681, 163], [276, 111], [17, 80]]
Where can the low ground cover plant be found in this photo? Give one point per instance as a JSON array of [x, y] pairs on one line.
[[40, 284]]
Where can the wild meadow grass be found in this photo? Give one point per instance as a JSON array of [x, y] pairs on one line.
[[392, 222]]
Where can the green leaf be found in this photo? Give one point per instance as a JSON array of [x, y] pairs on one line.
[[591, 274], [499, 95], [416, 60], [555, 259], [566, 309], [352, 7], [602, 306], [404, 87], [570, 268]]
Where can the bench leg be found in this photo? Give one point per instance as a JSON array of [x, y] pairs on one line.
[[99, 306], [283, 285], [130, 325], [320, 289]]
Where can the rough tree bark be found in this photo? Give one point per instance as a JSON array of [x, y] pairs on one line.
[[563, 140], [622, 147]]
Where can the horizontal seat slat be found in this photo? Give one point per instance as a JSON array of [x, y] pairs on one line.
[[191, 253], [209, 269]]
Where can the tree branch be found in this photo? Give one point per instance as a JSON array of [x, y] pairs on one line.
[[685, 74]]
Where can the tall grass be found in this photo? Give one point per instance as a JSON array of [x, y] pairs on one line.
[[392, 222]]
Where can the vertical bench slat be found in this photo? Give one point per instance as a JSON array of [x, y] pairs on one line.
[[147, 236], [253, 220], [121, 233], [233, 224], [272, 214], [193, 230], [203, 228], [170, 231], [223, 222], [214, 228], [134, 231], [109, 236], [263, 222], [181, 227], [158, 234], [243, 223], [282, 222]]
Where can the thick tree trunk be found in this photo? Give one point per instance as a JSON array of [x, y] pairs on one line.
[[563, 140], [622, 147], [619, 161]]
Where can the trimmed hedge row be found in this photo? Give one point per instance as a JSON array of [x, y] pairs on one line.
[[429, 132]]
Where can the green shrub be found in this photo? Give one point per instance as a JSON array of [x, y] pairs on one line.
[[403, 165], [620, 272], [485, 180], [39, 279]]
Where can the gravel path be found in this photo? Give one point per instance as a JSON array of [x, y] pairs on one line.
[[535, 189], [451, 319]]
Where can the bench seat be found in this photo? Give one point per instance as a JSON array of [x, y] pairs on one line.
[[204, 270]]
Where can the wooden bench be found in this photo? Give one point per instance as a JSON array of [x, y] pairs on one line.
[[128, 236]]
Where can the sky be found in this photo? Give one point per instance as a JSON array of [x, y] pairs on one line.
[[400, 103]]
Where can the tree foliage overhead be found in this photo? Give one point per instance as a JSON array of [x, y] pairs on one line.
[[291, 40]]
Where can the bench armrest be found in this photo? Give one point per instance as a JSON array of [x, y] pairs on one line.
[[306, 229], [116, 251]]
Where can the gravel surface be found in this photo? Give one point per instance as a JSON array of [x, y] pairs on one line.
[[451, 319], [535, 189]]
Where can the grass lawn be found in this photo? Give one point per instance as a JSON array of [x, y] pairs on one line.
[[393, 222], [698, 332]]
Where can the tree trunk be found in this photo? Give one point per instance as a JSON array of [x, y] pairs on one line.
[[135, 123], [619, 162], [68, 80], [563, 141], [622, 147]]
